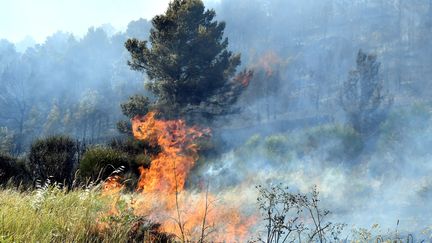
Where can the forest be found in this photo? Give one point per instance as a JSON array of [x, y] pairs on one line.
[[223, 121]]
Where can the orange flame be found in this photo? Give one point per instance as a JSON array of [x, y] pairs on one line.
[[163, 184], [112, 187], [169, 169], [191, 216], [244, 77], [269, 61]]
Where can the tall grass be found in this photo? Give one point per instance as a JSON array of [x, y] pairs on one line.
[[50, 214]]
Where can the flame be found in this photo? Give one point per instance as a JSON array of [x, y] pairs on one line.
[[169, 169], [191, 216], [244, 77], [112, 187], [188, 215], [269, 61]]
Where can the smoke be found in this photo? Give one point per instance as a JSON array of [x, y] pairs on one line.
[[361, 184], [301, 52]]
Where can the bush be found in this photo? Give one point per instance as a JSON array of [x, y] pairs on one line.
[[139, 152], [134, 147], [53, 157], [275, 145], [102, 162], [253, 142], [12, 170], [340, 142]]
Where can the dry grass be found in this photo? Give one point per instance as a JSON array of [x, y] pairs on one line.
[[50, 214]]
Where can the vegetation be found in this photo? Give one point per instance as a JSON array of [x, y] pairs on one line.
[[50, 214], [71, 86], [99, 162], [53, 158], [190, 69], [136, 105], [13, 171], [362, 96], [292, 217], [332, 143]]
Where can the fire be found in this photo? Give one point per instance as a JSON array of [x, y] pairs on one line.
[[191, 216], [112, 187], [269, 61], [169, 169], [244, 77]]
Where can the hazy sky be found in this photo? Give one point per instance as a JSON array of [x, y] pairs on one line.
[[40, 18]]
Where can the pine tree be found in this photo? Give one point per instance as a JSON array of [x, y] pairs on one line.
[[362, 95], [191, 72]]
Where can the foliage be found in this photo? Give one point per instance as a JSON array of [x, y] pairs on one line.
[[53, 157], [362, 96], [12, 170], [340, 142], [136, 105], [100, 162], [333, 143], [190, 68], [133, 146], [276, 145]]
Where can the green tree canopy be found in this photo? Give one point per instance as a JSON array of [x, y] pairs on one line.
[[191, 72]]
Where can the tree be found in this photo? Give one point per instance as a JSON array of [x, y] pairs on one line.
[[92, 117], [53, 120], [6, 140], [136, 105], [362, 95], [17, 96], [191, 72]]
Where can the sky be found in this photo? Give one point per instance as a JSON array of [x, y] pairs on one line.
[[41, 18]]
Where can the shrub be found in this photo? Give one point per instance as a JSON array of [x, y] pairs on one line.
[[12, 170], [340, 142], [133, 147], [102, 162], [138, 152], [275, 145], [253, 141], [291, 217], [53, 157]]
